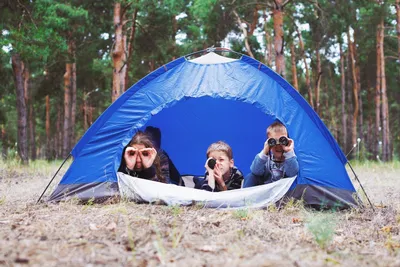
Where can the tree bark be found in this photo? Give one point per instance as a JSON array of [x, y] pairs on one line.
[[32, 131], [58, 136], [398, 27], [48, 145], [318, 80], [268, 47], [73, 95], [279, 41], [343, 90], [294, 69], [67, 110], [22, 144], [131, 44], [386, 151], [3, 142], [244, 31], [308, 80], [30, 114], [118, 55], [355, 90]]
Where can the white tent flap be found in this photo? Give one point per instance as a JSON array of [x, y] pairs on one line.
[[142, 190]]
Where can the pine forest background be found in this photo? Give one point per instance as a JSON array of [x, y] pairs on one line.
[[62, 63]]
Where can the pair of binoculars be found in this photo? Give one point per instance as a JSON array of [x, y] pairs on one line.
[[282, 141]]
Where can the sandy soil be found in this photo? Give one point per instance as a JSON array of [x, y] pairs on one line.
[[129, 234]]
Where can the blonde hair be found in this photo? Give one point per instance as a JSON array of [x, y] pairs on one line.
[[276, 127], [220, 146]]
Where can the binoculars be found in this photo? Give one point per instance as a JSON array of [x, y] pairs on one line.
[[282, 141], [211, 163]]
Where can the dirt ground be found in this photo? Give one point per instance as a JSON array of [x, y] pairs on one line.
[[129, 234]]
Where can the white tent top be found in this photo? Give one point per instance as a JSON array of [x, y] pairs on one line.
[[212, 58]]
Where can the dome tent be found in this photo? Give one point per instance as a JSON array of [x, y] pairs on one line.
[[200, 101]]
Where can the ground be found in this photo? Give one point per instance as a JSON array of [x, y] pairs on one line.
[[129, 234]]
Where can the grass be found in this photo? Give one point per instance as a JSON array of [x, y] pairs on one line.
[[125, 233], [322, 227]]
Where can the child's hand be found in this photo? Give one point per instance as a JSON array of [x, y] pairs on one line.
[[289, 147], [147, 155], [266, 147], [130, 156], [218, 177]]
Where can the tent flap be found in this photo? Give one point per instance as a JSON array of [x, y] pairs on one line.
[[141, 190]]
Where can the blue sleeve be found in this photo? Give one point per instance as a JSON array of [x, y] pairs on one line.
[[291, 164], [258, 165]]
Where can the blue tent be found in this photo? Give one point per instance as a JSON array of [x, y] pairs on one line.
[[200, 101]]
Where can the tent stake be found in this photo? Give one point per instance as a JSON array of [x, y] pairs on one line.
[[355, 175], [53, 178]]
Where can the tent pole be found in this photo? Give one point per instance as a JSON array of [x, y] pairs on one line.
[[355, 175], [53, 178]]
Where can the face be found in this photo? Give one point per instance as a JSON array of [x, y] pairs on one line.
[[225, 164], [138, 166], [278, 149]]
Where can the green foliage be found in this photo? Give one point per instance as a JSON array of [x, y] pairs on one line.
[[322, 227], [242, 214], [39, 31]]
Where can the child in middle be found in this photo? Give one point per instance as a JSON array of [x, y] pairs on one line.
[[224, 175]]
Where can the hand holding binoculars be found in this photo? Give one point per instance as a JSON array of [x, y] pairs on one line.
[[283, 140]]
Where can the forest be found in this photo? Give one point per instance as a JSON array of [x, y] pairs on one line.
[[62, 63]]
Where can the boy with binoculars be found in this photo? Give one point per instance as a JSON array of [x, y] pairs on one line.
[[277, 159], [221, 174]]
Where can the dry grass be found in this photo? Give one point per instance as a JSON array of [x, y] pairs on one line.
[[126, 233]]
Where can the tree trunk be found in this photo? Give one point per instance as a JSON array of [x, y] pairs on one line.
[[279, 41], [73, 95], [386, 151], [48, 145], [32, 131], [398, 27], [58, 136], [294, 69], [30, 114], [244, 31], [318, 80], [22, 144], [308, 80], [268, 47], [254, 23], [131, 44], [67, 110], [355, 90], [3, 142], [343, 90], [118, 55]]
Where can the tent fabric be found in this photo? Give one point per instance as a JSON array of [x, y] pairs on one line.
[[141, 190], [197, 102]]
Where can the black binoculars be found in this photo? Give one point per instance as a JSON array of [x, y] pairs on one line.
[[282, 141], [211, 163]]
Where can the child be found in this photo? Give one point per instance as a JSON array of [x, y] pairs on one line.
[[277, 159], [140, 159], [168, 169], [223, 175]]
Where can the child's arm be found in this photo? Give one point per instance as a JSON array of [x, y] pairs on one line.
[[291, 165], [258, 165]]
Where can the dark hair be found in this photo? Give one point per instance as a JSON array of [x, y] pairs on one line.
[[155, 134], [141, 138]]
